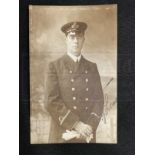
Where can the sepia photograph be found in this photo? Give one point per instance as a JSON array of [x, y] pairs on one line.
[[73, 74]]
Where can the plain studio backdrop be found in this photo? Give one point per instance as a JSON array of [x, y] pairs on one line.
[[47, 43]]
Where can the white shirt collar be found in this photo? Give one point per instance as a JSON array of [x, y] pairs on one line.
[[75, 58]]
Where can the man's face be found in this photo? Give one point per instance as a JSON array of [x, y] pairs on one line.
[[75, 42]]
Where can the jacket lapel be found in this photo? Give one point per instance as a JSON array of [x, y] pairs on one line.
[[68, 63], [77, 69], [80, 69]]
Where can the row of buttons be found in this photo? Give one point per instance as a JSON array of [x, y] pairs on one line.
[[72, 80], [75, 107], [73, 89], [74, 98], [72, 71]]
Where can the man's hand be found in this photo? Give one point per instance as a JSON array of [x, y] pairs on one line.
[[85, 130]]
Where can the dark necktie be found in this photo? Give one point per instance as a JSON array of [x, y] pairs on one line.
[[76, 65]]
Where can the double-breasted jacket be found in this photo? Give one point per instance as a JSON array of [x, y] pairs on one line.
[[73, 93]]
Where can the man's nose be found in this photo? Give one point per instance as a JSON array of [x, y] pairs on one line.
[[75, 40]]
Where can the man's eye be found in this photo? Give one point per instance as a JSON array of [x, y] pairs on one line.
[[72, 37]]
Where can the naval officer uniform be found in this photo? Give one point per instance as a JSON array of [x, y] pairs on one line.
[[74, 93]]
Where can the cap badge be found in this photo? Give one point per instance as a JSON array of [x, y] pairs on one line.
[[75, 26]]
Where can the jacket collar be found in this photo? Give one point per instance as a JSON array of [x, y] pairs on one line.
[[75, 59], [70, 65]]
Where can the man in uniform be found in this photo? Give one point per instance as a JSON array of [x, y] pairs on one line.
[[74, 91]]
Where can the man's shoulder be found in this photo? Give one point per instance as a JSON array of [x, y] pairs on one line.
[[88, 62], [58, 60], [91, 66]]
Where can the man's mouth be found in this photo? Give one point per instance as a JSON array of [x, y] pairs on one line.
[[75, 46]]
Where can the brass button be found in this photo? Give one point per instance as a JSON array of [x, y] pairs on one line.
[[86, 108], [72, 80], [75, 107], [87, 89], [86, 79], [74, 98], [73, 89], [70, 71], [86, 99]]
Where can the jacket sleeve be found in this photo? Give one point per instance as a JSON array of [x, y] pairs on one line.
[[98, 100], [54, 103]]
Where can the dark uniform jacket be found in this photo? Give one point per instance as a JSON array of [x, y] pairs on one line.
[[74, 93]]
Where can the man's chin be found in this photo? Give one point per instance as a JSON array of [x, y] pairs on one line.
[[76, 53]]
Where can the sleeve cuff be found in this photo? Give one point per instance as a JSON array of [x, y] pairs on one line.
[[68, 120], [94, 120]]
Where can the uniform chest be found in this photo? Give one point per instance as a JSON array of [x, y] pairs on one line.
[[76, 87], [80, 81]]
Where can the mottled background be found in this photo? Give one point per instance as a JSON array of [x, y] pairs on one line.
[[47, 43]]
